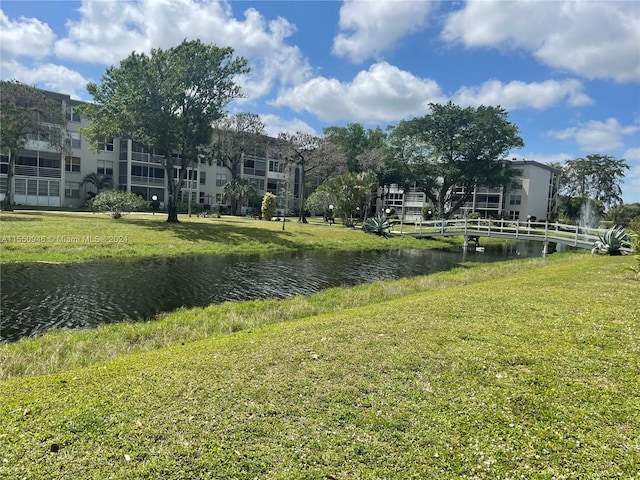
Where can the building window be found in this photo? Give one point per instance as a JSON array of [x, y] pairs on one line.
[[105, 167], [221, 179], [515, 200], [276, 166], [32, 187], [105, 145], [255, 167], [72, 116], [72, 164], [203, 178], [71, 190], [21, 186], [73, 140], [516, 185]]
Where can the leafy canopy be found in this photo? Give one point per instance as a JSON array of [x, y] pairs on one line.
[[596, 176], [27, 113], [166, 100], [452, 150]]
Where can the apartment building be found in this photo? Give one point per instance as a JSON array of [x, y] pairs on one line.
[[533, 193], [44, 176]]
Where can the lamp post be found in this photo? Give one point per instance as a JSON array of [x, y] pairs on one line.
[[154, 204], [330, 214]]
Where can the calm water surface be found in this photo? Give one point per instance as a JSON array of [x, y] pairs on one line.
[[38, 297]]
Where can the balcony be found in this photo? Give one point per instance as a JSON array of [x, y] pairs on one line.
[[138, 180], [32, 171]]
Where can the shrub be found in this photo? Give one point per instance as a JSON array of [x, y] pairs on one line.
[[117, 203], [612, 241], [268, 207], [377, 225]]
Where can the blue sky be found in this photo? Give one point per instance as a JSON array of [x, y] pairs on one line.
[[567, 71]]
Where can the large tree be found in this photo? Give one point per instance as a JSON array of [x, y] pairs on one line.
[[452, 150], [234, 135], [597, 177], [168, 100], [358, 143], [27, 113], [312, 155]]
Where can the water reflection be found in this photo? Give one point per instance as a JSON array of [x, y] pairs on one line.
[[37, 297]]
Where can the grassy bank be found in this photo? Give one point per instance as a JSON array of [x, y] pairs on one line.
[[60, 349], [75, 237], [514, 371]]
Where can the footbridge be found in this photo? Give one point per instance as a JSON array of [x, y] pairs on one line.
[[571, 235]]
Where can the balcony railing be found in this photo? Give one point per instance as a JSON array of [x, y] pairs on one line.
[[139, 180], [33, 171]]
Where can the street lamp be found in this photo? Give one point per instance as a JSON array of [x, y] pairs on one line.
[[154, 204], [330, 214]]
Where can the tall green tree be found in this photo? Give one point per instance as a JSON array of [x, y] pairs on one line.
[[595, 176], [453, 150], [234, 135], [358, 144], [167, 100], [27, 113]]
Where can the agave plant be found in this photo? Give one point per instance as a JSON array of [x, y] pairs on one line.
[[378, 225], [612, 241]]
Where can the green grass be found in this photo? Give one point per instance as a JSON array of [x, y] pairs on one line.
[[527, 372], [76, 237]]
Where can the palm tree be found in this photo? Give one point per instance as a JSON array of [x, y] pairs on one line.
[[101, 182], [237, 190]]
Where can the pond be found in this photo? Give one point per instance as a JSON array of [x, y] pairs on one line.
[[40, 296]]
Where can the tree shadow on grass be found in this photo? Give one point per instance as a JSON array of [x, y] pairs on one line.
[[222, 234], [21, 217]]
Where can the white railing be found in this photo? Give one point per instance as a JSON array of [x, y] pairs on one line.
[[138, 180], [573, 235]]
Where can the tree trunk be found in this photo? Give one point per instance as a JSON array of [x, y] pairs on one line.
[[7, 206], [301, 217], [172, 199]]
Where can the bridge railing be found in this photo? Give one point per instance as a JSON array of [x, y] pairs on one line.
[[568, 234]]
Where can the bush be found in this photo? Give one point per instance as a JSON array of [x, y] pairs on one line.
[[377, 225], [268, 207], [117, 203], [612, 241]]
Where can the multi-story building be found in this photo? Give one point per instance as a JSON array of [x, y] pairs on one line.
[[44, 176], [533, 193]]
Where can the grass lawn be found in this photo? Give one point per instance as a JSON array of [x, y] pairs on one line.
[[76, 237], [526, 370]]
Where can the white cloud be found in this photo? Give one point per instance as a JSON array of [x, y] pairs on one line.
[[632, 154], [369, 28], [49, 76], [597, 137], [148, 24], [382, 93], [276, 124], [27, 37], [515, 95], [592, 39]]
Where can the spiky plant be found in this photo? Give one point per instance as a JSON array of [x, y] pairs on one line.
[[612, 241], [377, 225]]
